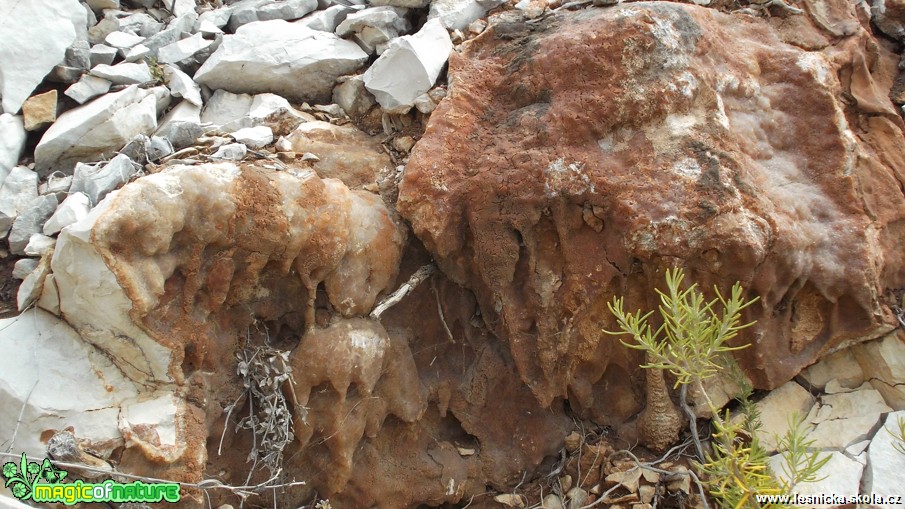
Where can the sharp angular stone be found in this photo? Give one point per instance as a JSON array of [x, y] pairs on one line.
[[97, 128], [840, 476], [123, 40], [181, 85], [229, 112], [254, 137], [50, 296], [78, 55], [140, 23], [217, 17], [291, 60], [328, 19], [884, 362], [97, 181], [459, 14], [248, 11], [40, 110], [208, 29], [101, 54], [182, 125], [73, 209], [38, 244], [30, 221], [78, 394], [33, 284], [19, 189], [87, 88], [44, 29], [12, 142], [124, 74], [230, 152], [24, 267], [136, 53], [180, 7], [99, 5], [183, 49], [852, 417], [58, 184], [352, 96], [374, 26], [841, 366], [885, 471], [177, 29], [409, 67]]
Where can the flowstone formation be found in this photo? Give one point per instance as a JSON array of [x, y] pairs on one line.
[[568, 157], [651, 134]]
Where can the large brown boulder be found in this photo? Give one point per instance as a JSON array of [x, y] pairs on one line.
[[577, 157]]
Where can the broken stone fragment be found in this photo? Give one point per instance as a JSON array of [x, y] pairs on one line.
[[328, 19], [88, 87], [254, 137], [124, 74], [227, 112], [12, 142], [102, 54], [459, 14], [352, 96], [73, 209], [24, 267], [30, 221], [181, 85], [40, 110], [248, 11], [98, 180], [183, 49], [288, 59], [231, 152], [374, 27], [122, 41], [19, 189], [39, 244], [97, 128], [43, 30], [33, 284], [182, 125], [409, 67]]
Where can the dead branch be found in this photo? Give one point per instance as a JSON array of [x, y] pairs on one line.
[[417, 278]]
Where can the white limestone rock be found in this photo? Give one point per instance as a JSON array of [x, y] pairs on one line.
[[95, 129], [374, 26], [851, 418], [24, 267], [19, 189], [57, 184], [208, 29], [254, 137], [30, 221], [883, 361], [183, 49], [182, 125], [99, 5], [32, 285], [459, 14], [12, 142], [841, 476], [73, 209], [39, 33], [227, 112], [777, 408], [409, 67], [159, 414], [407, 4], [124, 74], [60, 380], [95, 304], [39, 244], [230, 152], [98, 181], [841, 366], [101, 54], [50, 296], [328, 19], [216, 17], [87, 88], [137, 53], [352, 96], [122, 41], [181, 85], [177, 29], [140, 23], [287, 59], [885, 471], [248, 11], [180, 7]]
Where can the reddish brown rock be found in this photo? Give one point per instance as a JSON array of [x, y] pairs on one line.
[[576, 158]]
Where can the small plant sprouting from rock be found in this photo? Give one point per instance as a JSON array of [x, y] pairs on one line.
[[898, 435], [264, 370], [692, 338], [692, 344]]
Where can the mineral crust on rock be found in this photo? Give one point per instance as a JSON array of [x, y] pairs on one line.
[[647, 135]]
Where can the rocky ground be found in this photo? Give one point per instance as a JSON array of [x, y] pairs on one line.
[[289, 252]]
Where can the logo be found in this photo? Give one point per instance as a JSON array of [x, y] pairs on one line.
[[42, 482]]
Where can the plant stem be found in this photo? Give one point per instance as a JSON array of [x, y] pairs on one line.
[[693, 421]]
